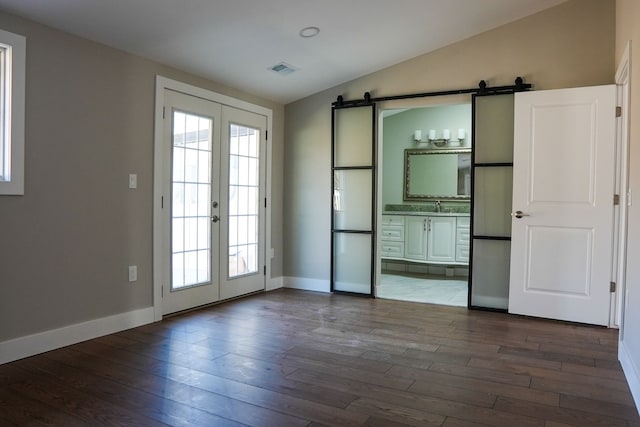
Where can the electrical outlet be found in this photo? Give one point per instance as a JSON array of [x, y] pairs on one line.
[[133, 180], [272, 253], [133, 273]]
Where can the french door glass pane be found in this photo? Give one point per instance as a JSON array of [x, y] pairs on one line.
[[191, 200], [244, 194]]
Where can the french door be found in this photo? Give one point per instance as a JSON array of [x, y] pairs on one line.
[[242, 203], [213, 215]]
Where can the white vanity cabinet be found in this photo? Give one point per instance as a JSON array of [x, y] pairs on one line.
[[437, 239], [463, 239], [392, 236], [415, 243], [441, 239]]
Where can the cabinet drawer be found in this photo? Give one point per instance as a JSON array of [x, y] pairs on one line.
[[392, 220], [392, 233], [392, 249], [462, 253], [463, 236], [463, 222]]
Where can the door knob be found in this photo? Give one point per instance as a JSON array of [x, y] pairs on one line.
[[518, 214], [215, 218]]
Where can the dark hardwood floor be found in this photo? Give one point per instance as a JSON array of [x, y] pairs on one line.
[[295, 358]]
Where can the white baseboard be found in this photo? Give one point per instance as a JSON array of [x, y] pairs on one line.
[[31, 345], [274, 283], [305, 284], [631, 372]]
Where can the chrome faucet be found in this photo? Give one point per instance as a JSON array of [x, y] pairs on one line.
[[437, 203]]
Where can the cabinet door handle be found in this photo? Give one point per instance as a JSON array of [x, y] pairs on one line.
[[424, 225], [429, 224]]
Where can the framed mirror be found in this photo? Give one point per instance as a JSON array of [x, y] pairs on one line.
[[435, 174]]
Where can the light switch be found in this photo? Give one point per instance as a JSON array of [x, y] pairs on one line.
[[133, 273], [133, 180]]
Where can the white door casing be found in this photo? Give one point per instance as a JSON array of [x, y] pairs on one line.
[[564, 159], [621, 188]]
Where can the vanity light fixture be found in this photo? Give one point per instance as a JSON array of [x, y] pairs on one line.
[[439, 142]]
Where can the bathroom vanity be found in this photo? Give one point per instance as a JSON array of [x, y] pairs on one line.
[[425, 237], [425, 223]]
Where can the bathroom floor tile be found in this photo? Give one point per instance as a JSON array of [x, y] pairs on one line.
[[433, 290]]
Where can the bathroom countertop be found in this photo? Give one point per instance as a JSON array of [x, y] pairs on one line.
[[430, 209], [444, 212]]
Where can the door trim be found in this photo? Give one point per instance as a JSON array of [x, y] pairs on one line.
[[160, 240], [619, 260]]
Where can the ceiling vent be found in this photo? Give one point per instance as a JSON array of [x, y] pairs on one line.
[[283, 68]]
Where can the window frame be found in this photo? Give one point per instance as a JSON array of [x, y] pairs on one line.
[[12, 114]]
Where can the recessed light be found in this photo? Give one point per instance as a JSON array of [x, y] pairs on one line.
[[309, 32]]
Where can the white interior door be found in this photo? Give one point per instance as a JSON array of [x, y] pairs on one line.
[[564, 153]]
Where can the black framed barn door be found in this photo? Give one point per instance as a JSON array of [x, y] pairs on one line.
[[353, 194], [492, 187]]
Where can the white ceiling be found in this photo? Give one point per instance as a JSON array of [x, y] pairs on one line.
[[235, 42]]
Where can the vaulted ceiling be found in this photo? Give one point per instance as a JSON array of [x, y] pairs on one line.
[[237, 42]]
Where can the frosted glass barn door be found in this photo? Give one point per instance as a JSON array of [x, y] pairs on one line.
[[492, 174], [353, 199]]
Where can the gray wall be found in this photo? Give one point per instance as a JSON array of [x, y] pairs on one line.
[[567, 46], [66, 244]]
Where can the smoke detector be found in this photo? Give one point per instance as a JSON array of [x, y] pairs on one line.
[[309, 32]]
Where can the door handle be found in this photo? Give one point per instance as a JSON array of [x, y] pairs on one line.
[[215, 218], [518, 214]]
